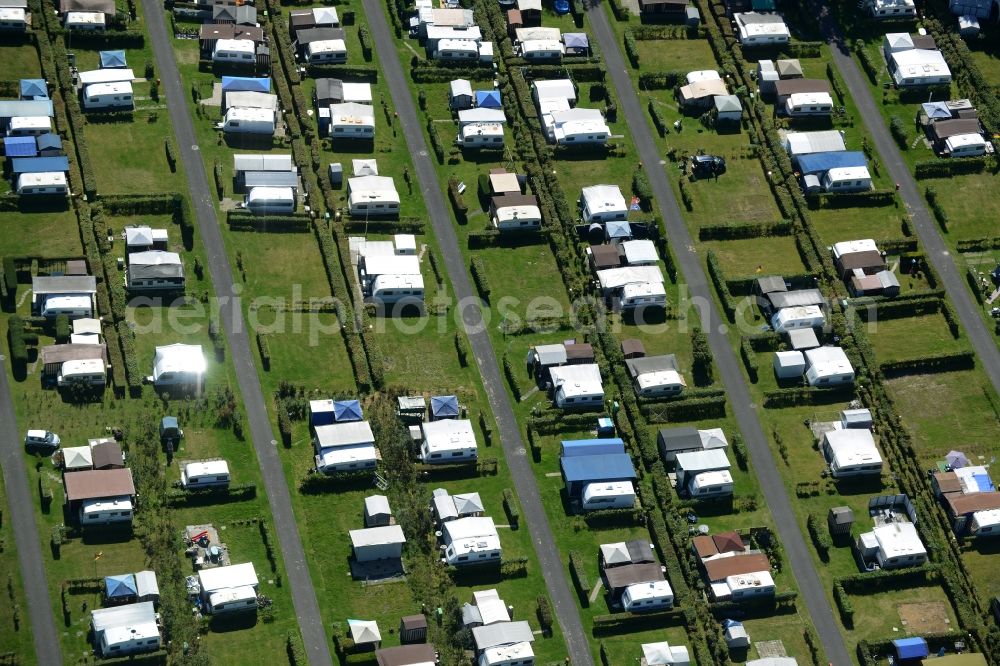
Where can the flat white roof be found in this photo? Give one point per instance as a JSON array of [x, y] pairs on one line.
[[899, 539], [178, 358], [357, 92], [660, 379], [35, 122], [235, 46], [962, 140], [390, 281], [574, 380], [807, 99], [719, 477], [640, 251], [12, 14], [326, 46], [537, 34], [448, 435], [220, 578], [848, 173], [639, 289], [394, 264], [116, 88], [482, 129], [703, 461], [123, 503], [373, 188], [41, 178], [613, 278], [102, 619], [473, 527], [554, 89], [853, 246], [603, 199], [347, 454], [446, 32], [105, 76], [828, 360], [249, 113], [542, 46], [702, 75], [154, 258], [656, 589], [377, 536], [83, 367], [351, 433], [481, 115], [805, 143], [206, 468], [749, 581], [85, 18]]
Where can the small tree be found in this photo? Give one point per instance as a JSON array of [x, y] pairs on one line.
[[702, 358]]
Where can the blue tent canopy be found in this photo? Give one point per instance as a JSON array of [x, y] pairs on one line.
[[592, 447], [34, 89], [235, 83], [120, 587], [444, 406], [19, 146], [39, 164], [488, 99], [618, 229], [818, 163], [48, 141], [347, 410], [576, 40], [113, 59], [914, 647], [983, 482], [937, 110]]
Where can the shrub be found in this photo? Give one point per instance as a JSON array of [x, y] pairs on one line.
[[284, 426], [898, 129], [457, 201], [580, 580], [365, 36], [508, 371], [939, 168], [749, 359], [740, 452], [220, 188], [168, 147], [481, 279], [461, 349], [701, 366], [932, 202], [544, 611], [265, 351], [631, 50], [62, 328], [659, 122], [844, 605], [642, 189], [820, 537], [511, 509]]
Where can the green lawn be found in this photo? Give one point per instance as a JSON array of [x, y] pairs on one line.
[[964, 415], [682, 55], [840, 224], [912, 337], [130, 157], [970, 204], [776, 255], [877, 615], [22, 231], [20, 62]]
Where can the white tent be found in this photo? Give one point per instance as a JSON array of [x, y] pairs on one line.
[[179, 364], [364, 631]]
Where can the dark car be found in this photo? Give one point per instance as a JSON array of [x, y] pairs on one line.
[[561, 6], [706, 166]]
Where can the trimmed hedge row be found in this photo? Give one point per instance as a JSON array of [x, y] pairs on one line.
[[233, 493], [265, 351], [626, 623], [580, 581], [481, 279], [719, 280], [820, 536], [962, 360], [511, 509], [690, 409], [749, 359], [239, 221], [950, 167], [738, 231]]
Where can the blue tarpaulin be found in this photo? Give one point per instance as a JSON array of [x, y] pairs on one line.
[[911, 648], [936, 110], [19, 146], [983, 482], [113, 60], [34, 89], [119, 587], [39, 164], [578, 471], [9, 108], [818, 163], [444, 406], [592, 447], [488, 99], [347, 410], [576, 40], [236, 83]]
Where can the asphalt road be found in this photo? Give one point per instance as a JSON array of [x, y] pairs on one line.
[[564, 604], [230, 313], [21, 511], [796, 551], [925, 226]]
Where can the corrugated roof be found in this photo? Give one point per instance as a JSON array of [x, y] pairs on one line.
[[818, 163], [630, 574], [19, 146], [736, 565], [607, 467], [59, 163], [96, 484]]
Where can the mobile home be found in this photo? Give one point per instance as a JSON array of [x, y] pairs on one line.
[[851, 452], [88, 372], [91, 21], [235, 51], [481, 135], [205, 474], [242, 120], [270, 200], [604, 495], [654, 595], [809, 104], [46, 182], [372, 196], [351, 120], [448, 440], [847, 179], [29, 125], [13, 19], [100, 96], [326, 51]]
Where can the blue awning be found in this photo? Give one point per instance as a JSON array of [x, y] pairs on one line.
[[591, 447], [937, 110], [818, 163], [444, 406], [347, 410], [39, 164], [34, 89], [488, 99], [983, 482], [118, 587], [112, 59], [576, 40], [251, 84], [19, 146], [608, 467], [911, 648]]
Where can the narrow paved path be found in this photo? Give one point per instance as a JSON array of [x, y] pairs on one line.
[[797, 552], [563, 600], [303, 595], [21, 511], [926, 227]]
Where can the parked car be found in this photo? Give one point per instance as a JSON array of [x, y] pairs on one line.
[[41, 439], [706, 166]]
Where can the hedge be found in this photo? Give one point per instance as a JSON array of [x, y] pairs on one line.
[[660, 80], [133, 377], [946, 168], [873, 198], [898, 129], [15, 335], [719, 280], [481, 278], [365, 36], [544, 612], [509, 373], [240, 221], [962, 360], [689, 409], [511, 508], [458, 204], [820, 536], [233, 493], [659, 121], [749, 359], [349, 72], [701, 364], [631, 50], [740, 231], [626, 623], [265, 351], [295, 650], [806, 395], [580, 580], [642, 189]]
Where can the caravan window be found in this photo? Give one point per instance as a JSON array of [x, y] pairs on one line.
[[455, 454]]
